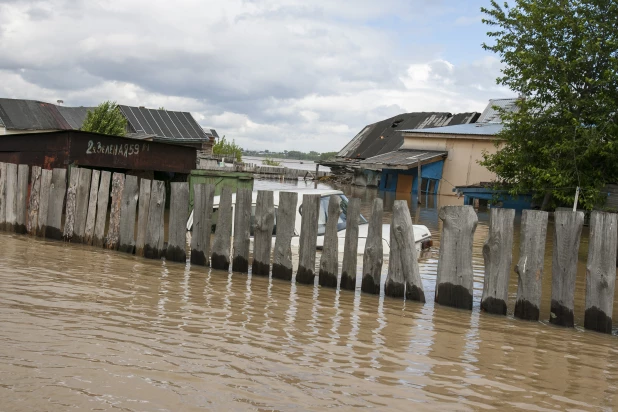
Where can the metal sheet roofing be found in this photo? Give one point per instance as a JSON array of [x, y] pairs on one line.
[[403, 159], [164, 124], [75, 116], [491, 115], [483, 129], [19, 114], [385, 136]]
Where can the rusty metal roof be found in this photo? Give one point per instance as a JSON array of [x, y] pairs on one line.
[[385, 136], [20, 114], [403, 159]]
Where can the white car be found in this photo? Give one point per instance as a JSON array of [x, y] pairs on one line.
[[422, 235]]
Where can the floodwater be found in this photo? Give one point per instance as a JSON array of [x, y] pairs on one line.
[[88, 329], [289, 163]]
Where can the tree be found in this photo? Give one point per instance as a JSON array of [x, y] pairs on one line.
[[561, 56], [225, 148], [327, 155], [106, 118]]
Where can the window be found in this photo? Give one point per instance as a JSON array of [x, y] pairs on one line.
[[343, 216]]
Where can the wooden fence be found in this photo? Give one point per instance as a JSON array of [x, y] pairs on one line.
[[90, 210]]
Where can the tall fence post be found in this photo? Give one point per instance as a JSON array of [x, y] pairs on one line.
[[308, 239], [113, 232], [57, 194], [329, 261], [286, 221], [71, 207], [242, 230], [142, 216], [498, 257], [203, 197], [564, 266], [529, 267], [373, 256], [454, 284], [102, 203], [154, 241], [23, 172], [46, 179], [11, 197], [81, 213], [601, 272], [404, 237], [91, 216], [263, 233], [3, 173], [35, 200], [350, 249], [128, 211], [220, 258], [177, 235]]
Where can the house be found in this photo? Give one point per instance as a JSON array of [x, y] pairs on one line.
[[445, 157]]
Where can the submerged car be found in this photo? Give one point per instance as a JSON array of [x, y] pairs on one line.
[[422, 235]]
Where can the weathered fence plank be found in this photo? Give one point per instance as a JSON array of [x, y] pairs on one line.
[[329, 261], [601, 272], [11, 197], [128, 210], [35, 200], [92, 207], [46, 179], [81, 212], [568, 229], [177, 235], [263, 233], [142, 217], [373, 256], [242, 230], [350, 249], [57, 193], [155, 240], [203, 198], [455, 277], [113, 232], [498, 257], [529, 268], [23, 172], [3, 173], [286, 221], [403, 235], [102, 203], [220, 258], [69, 217], [308, 239]]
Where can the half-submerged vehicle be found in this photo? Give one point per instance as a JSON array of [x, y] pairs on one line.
[[422, 235]]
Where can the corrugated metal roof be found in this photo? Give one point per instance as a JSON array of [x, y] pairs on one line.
[[20, 114], [165, 124], [403, 159], [484, 129], [384, 136], [491, 115], [75, 116]]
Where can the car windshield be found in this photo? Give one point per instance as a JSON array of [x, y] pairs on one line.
[[343, 216]]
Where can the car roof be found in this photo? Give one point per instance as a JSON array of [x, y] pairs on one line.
[[323, 192]]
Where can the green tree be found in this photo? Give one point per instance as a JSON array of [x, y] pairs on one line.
[[226, 148], [561, 56], [106, 118], [327, 155]]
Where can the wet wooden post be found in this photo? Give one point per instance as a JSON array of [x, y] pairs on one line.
[[177, 235], [23, 172], [91, 216], [128, 211], [35, 200], [242, 230], [57, 193], [263, 232], [69, 217], [142, 216], [203, 198], [350, 249], [601, 272], [529, 268], [220, 258], [454, 283], [308, 239], [154, 240], [81, 212], [564, 266], [3, 172], [46, 179], [113, 232], [11, 197], [373, 256], [329, 261], [102, 203], [498, 257], [286, 221]]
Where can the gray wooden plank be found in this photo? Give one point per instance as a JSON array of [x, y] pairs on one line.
[[242, 230], [128, 212], [57, 193], [113, 232], [71, 207], [177, 237], [81, 199], [263, 233], [11, 197], [91, 216], [286, 222], [373, 255], [308, 239], [34, 201], [142, 216], [3, 173], [23, 174], [154, 241], [329, 261], [46, 181], [220, 257], [102, 206], [350, 248]]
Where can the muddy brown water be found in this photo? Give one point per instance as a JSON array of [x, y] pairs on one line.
[[88, 329]]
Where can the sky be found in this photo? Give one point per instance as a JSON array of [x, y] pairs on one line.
[[269, 74]]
